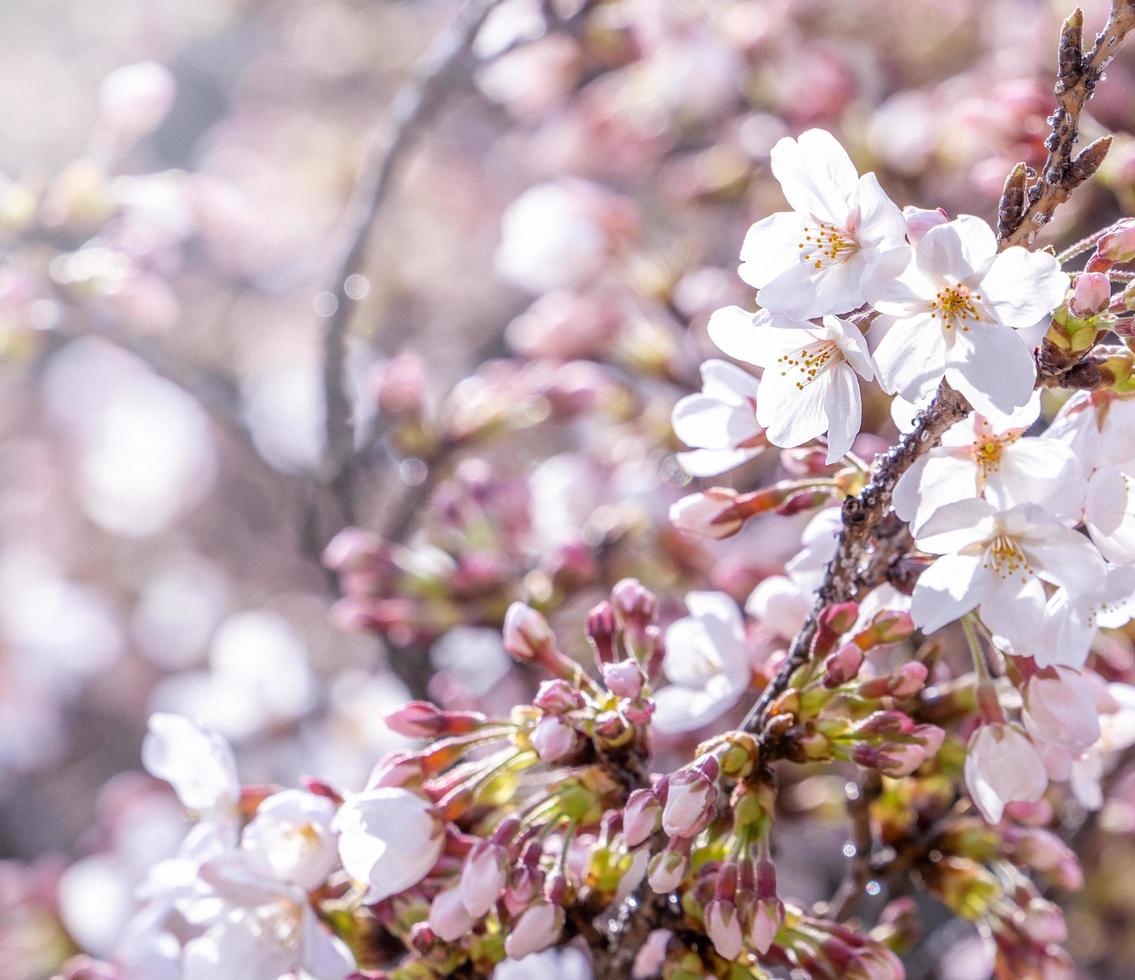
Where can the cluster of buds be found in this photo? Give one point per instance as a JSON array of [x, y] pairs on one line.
[[550, 837], [835, 708]]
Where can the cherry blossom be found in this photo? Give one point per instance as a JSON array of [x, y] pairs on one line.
[[1060, 708], [1002, 767], [1072, 620], [721, 421], [1109, 511], [707, 663], [809, 386], [991, 458], [995, 561], [197, 762], [957, 308], [813, 260], [389, 839]]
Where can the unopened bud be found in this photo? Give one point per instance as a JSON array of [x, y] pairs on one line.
[[527, 635], [712, 514], [1091, 294], [623, 679]]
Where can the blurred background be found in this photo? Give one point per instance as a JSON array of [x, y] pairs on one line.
[[173, 179]]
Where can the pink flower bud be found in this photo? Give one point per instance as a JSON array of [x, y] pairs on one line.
[[689, 800], [449, 919], [666, 870], [651, 958], [919, 221], [483, 878], [1118, 245], [908, 680], [1060, 708], [723, 926], [623, 679], [1091, 294], [134, 99], [558, 697], [601, 627], [711, 514], [842, 666], [635, 606], [553, 738], [536, 929], [526, 633], [396, 769], [641, 817], [1041, 849], [421, 719]]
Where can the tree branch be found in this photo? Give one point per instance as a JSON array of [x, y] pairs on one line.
[[440, 73]]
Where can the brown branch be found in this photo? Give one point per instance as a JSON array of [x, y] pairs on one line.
[[861, 516], [1023, 212], [441, 72]]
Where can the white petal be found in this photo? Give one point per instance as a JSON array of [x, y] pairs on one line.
[[1021, 287], [1110, 514], [911, 358], [792, 416], [1065, 557], [728, 383], [1039, 471], [816, 175], [955, 526], [713, 462], [853, 345], [771, 246], [325, 957], [946, 591], [958, 249], [803, 291], [881, 223], [1013, 609], [684, 709], [992, 367], [731, 329], [706, 423], [844, 410], [942, 480]]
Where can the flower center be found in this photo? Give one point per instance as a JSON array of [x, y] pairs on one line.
[[808, 363], [957, 306], [987, 453], [825, 244], [1005, 557]]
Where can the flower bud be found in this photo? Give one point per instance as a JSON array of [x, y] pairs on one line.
[[834, 621], [483, 877], [537, 928], [1060, 708], [527, 635], [601, 627], [642, 816], [711, 514], [558, 697], [690, 798], [669, 866], [553, 739], [1091, 294], [421, 719], [1117, 246], [623, 679], [449, 920], [723, 926], [842, 666]]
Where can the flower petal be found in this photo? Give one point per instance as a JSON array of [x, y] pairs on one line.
[[992, 367], [816, 175], [1022, 287], [946, 591]]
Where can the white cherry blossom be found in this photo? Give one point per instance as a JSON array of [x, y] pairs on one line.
[[1003, 766], [812, 260], [809, 386], [1071, 621], [992, 458], [389, 839], [957, 308], [1097, 426], [997, 561], [720, 421], [196, 761], [262, 929], [707, 663], [291, 839]]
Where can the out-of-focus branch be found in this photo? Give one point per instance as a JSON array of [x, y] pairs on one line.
[[441, 72], [1026, 208]]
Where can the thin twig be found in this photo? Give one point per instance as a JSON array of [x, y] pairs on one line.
[[1078, 75], [440, 73]]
